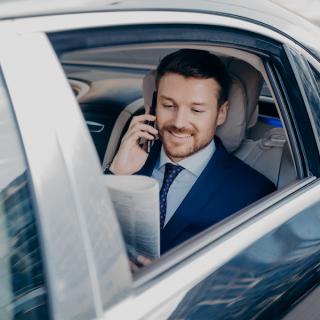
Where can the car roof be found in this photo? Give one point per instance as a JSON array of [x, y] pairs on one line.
[[262, 12]]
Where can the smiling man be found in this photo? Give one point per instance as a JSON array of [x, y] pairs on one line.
[[201, 183]]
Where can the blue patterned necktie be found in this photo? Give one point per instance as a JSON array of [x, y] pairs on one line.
[[170, 173]]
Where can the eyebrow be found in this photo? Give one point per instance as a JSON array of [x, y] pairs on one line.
[[167, 98], [195, 103]]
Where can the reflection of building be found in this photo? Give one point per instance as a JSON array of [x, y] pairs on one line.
[[24, 256], [280, 267]]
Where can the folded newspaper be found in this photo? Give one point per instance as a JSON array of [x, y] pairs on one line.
[[136, 202]]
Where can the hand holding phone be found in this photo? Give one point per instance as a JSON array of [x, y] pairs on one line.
[[131, 156]]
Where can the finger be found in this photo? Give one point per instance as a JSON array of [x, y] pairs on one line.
[[144, 260], [141, 134], [144, 127], [142, 118], [133, 267]]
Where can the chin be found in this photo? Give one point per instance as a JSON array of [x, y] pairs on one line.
[[176, 152]]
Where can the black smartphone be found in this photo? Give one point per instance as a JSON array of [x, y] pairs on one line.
[[152, 123]]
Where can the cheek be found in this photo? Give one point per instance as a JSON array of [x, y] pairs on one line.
[[207, 125], [162, 118]]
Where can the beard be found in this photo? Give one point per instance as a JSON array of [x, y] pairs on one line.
[[180, 148]]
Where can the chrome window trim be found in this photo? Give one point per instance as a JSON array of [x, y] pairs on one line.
[[174, 284], [75, 209]]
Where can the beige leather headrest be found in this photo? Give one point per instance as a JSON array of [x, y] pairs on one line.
[[252, 81], [243, 96], [233, 131]]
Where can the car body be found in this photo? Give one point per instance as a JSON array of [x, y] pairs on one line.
[[62, 252]]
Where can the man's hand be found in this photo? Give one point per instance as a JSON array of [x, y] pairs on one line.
[[138, 262], [131, 157]]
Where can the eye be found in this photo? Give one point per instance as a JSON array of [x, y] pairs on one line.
[[197, 111], [168, 106]]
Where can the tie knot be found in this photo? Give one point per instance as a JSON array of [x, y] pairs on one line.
[[172, 170]]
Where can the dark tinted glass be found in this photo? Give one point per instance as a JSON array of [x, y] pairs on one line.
[[317, 77], [316, 101], [22, 286]]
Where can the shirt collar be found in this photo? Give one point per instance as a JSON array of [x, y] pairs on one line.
[[194, 163]]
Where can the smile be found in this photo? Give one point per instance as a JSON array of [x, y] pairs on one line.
[[180, 136]]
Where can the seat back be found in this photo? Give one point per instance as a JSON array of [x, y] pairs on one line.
[[243, 97]]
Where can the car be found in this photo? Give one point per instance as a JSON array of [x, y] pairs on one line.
[[72, 77]]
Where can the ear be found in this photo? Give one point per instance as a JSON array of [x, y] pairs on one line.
[[222, 113]]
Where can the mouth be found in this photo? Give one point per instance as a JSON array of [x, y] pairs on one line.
[[181, 136]]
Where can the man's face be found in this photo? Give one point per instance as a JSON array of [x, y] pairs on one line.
[[187, 114]]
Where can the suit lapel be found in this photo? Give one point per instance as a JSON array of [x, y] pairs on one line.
[[204, 188]]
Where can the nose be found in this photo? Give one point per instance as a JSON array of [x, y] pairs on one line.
[[180, 118]]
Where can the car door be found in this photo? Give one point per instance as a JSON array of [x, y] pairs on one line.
[[255, 265], [84, 261]]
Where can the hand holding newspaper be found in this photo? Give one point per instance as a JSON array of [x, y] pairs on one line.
[[136, 202]]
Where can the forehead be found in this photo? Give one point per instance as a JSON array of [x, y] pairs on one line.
[[175, 85]]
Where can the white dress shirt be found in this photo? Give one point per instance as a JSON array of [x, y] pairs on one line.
[[193, 167]]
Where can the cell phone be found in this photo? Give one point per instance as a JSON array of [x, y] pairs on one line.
[[152, 123]]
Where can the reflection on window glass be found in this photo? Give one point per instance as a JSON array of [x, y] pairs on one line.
[[317, 77], [22, 287], [316, 104], [308, 86]]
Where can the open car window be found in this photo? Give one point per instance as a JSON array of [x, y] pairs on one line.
[[108, 84]]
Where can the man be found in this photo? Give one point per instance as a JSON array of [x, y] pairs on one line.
[[201, 183]]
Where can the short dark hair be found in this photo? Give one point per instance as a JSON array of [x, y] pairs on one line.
[[199, 64]]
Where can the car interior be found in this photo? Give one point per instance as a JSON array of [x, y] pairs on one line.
[[112, 84]]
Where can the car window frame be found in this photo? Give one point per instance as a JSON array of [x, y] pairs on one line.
[[80, 195], [112, 41], [303, 77], [307, 162]]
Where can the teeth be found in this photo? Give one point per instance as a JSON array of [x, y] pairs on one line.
[[181, 135]]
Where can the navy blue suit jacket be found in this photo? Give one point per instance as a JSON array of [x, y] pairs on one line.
[[225, 186]]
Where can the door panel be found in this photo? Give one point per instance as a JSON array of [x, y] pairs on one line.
[[264, 279], [258, 269]]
